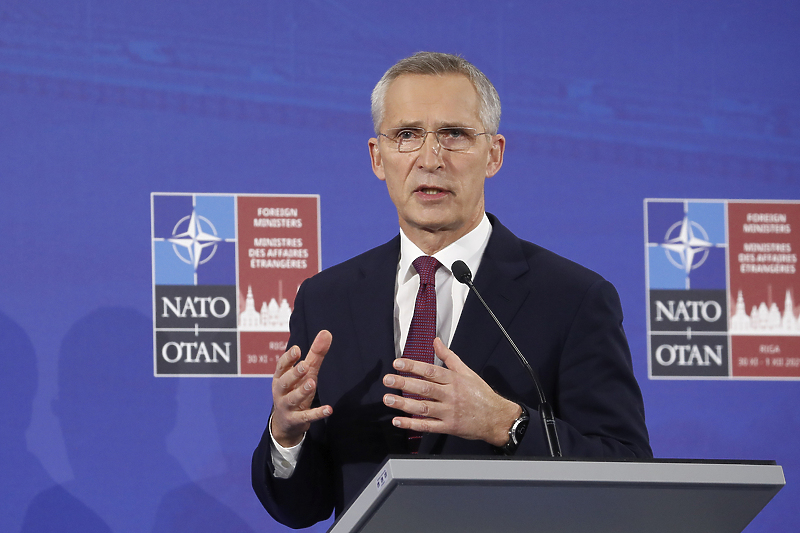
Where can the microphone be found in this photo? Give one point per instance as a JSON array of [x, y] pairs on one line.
[[462, 273]]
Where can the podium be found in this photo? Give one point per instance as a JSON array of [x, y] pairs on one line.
[[509, 495]]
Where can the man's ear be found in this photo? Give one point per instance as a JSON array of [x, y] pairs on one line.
[[495, 159], [375, 157]]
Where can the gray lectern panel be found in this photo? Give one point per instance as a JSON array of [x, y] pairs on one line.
[[443, 495]]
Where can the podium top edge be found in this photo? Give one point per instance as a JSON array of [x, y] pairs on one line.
[[519, 458], [466, 470]]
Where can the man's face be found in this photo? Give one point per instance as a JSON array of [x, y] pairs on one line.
[[434, 190]]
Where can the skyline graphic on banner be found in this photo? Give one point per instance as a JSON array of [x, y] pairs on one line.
[[707, 260]]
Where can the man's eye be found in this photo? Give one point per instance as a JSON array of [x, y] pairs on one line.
[[453, 133], [406, 135]]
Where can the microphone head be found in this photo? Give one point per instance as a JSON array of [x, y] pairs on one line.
[[461, 271]]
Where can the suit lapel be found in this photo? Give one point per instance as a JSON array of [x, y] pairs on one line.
[[372, 305], [502, 264], [371, 299]]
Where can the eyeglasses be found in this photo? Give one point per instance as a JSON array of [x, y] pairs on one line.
[[452, 139]]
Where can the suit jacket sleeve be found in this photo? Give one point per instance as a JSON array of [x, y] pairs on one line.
[[306, 497]]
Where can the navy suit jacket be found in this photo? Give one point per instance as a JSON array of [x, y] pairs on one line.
[[566, 319]]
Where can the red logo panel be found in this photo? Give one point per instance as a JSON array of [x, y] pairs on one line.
[[764, 240], [278, 248]]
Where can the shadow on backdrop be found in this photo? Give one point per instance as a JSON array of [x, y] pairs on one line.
[[241, 408], [22, 472], [238, 414], [115, 416]]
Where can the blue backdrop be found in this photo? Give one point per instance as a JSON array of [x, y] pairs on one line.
[[605, 103]]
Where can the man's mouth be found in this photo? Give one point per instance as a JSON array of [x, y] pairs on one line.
[[430, 190]]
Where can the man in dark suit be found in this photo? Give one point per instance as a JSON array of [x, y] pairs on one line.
[[436, 119]]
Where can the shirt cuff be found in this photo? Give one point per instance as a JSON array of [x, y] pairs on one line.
[[284, 460]]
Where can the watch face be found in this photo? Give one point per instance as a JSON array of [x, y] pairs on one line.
[[516, 432], [519, 429]]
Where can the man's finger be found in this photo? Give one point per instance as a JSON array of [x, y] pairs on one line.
[[411, 406], [421, 425], [420, 387], [307, 416], [291, 374], [426, 371], [449, 357], [286, 361], [319, 348], [288, 374], [300, 395], [281, 427]]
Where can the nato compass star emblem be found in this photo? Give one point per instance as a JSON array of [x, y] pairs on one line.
[[684, 246], [198, 243]]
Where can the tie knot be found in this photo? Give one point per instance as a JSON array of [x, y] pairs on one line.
[[426, 268]]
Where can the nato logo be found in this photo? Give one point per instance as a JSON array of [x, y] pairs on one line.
[[687, 282], [194, 284]]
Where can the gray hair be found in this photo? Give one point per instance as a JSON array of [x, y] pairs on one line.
[[438, 64]]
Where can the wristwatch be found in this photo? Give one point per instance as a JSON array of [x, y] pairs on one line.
[[516, 432]]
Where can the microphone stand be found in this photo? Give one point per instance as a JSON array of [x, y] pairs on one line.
[[462, 273]]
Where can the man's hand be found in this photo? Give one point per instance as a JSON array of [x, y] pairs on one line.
[[293, 387], [460, 402]]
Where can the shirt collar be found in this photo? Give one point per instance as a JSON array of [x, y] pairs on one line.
[[468, 248]]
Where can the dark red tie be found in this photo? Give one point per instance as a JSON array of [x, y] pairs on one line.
[[419, 342]]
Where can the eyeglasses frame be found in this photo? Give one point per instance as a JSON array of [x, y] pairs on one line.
[[435, 134]]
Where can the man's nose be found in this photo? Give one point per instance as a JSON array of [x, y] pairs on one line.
[[435, 145], [430, 151]]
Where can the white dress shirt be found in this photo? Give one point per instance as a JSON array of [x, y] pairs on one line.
[[450, 298], [450, 294]]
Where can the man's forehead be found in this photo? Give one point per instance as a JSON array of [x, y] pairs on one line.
[[416, 99]]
